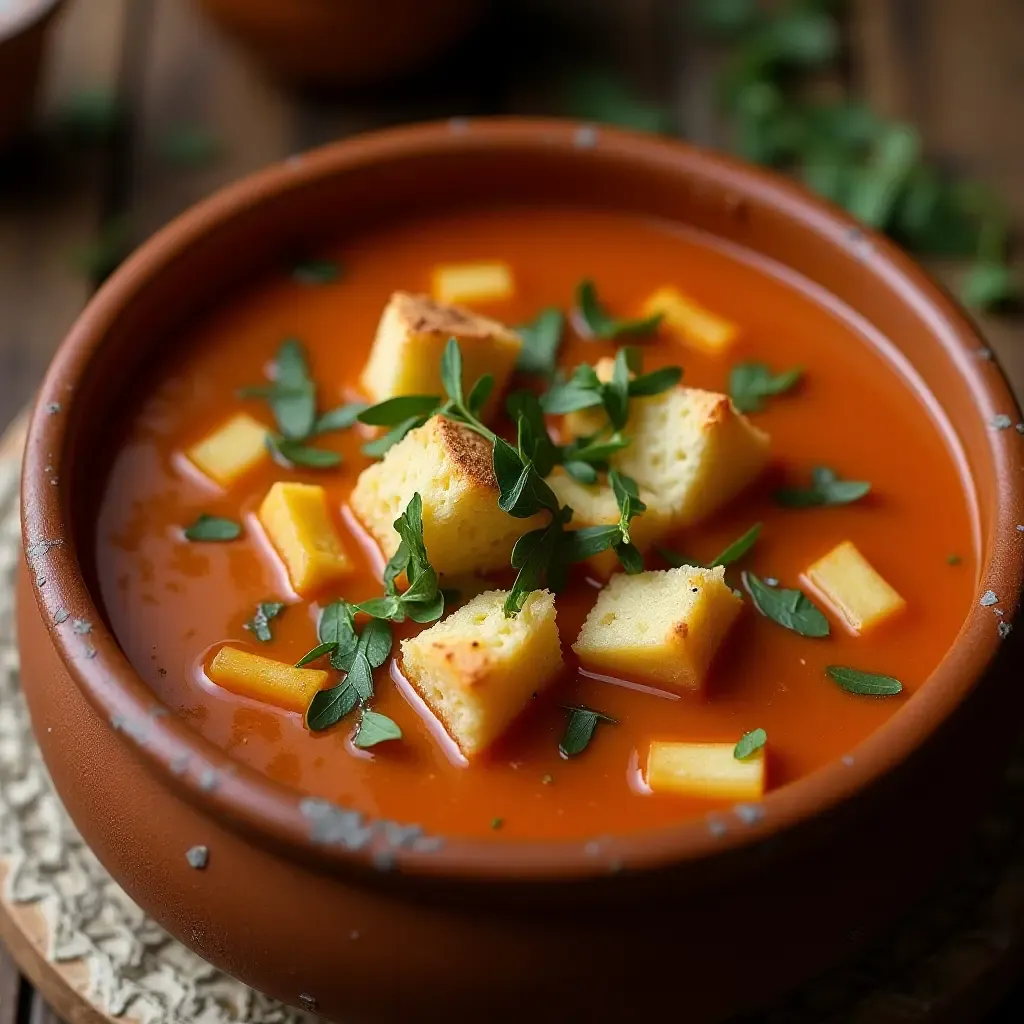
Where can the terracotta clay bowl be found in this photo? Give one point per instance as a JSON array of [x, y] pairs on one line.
[[342, 42], [24, 27], [368, 922]]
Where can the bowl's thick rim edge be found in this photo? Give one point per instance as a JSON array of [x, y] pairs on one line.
[[219, 786]]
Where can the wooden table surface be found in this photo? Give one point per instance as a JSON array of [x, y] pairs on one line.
[[954, 68]]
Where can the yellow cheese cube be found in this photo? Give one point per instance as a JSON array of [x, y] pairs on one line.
[[477, 670], [662, 627], [473, 282], [698, 327], [411, 338], [691, 450], [708, 770], [263, 679], [847, 582], [450, 467], [298, 524], [595, 505], [234, 448]]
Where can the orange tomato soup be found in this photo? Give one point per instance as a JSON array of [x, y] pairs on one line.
[[858, 410]]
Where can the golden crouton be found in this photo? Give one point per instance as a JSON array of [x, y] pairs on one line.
[[662, 627], [697, 327], [264, 679], [472, 282], [708, 770], [595, 505], [234, 448], [464, 530], [298, 524], [690, 449], [477, 670], [846, 580], [411, 338]]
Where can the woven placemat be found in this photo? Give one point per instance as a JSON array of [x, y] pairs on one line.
[[97, 957]]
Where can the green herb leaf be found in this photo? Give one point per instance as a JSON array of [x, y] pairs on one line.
[[479, 393], [656, 382], [581, 391], [583, 472], [826, 490], [375, 728], [868, 683], [630, 557], [595, 449], [395, 411], [292, 395], [601, 325], [316, 272], [379, 446], [990, 285], [294, 453], [259, 625], [336, 625], [677, 561], [953, 560], [213, 528], [451, 371], [580, 729], [533, 555], [328, 707], [627, 496], [738, 548], [588, 541], [749, 744], [340, 418], [789, 608], [751, 383], [541, 340], [535, 444], [360, 673], [877, 188], [314, 655], [599, 96]]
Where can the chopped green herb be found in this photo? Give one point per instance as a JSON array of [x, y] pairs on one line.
[[377, 448], [213, 528], [292, 393], [991, 285], [328, 707], [738, 548], [789, 608], [953, 560], [259, 625], [627, 497], [294, 453], [190, 147], [375, 728], [749, 744], [751, 383], [602, 325], [340, 418], [878, 186], [580, 729], [395, 411], [497, 823], [867, 683], [541, 340], [314, 655], [826, 490], [314, 272]]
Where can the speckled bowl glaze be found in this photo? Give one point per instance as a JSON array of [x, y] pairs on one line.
[[343, 42], [368, 920], [23, 32]]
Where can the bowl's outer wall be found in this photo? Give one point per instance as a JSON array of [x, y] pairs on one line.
[[713, 933]]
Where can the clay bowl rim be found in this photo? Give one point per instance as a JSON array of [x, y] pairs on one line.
[[202, 773]]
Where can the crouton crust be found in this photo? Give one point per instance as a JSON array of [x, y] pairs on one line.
[[470, 452]]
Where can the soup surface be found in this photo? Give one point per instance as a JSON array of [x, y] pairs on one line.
[[172, 603]]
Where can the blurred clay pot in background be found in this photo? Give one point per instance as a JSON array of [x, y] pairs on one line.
[[343, 42], [23, 32]]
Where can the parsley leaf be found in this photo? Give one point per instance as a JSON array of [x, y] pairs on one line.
[[213, 528], [315, 654], [394, 411], [375, 728], [293, 453], [749, 744], [292, 393], [738, 548], [580, 729], [789, 608], [541, 340], [379, 446], [601, 325], [259, 625], [340, 418], [826, 490], [871, 684], [751, 383], [627, 496], [328, 707]]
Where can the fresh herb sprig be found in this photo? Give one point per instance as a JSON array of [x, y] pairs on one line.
[[732, 553], [209, 528], [826, 489], [749, 744], [541, 340], [579, 729], [751, 383], [869, 684], [259, 624], [598, 323], [789, 608]]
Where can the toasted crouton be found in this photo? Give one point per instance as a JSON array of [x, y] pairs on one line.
[[464, 530], [477, 670], [230, 451], [707, 770], [595, 505], [473, 282], [406, 355], [853, 588], [663, 627], [693, 324], [691, 449]]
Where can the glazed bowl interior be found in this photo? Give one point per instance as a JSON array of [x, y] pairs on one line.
[[338, 191]]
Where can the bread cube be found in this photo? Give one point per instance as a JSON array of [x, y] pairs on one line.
[[406, 355], [477, 670], [298, 524], [691, 450], [595, 505], [697, 327], [473, 282], [661, 627], [848, 583], [264, 679], [235, 447], [707, 770], [450, 467]]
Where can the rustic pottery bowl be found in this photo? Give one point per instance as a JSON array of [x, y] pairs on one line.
[[24, 27], [368, 921], [342, 42]]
